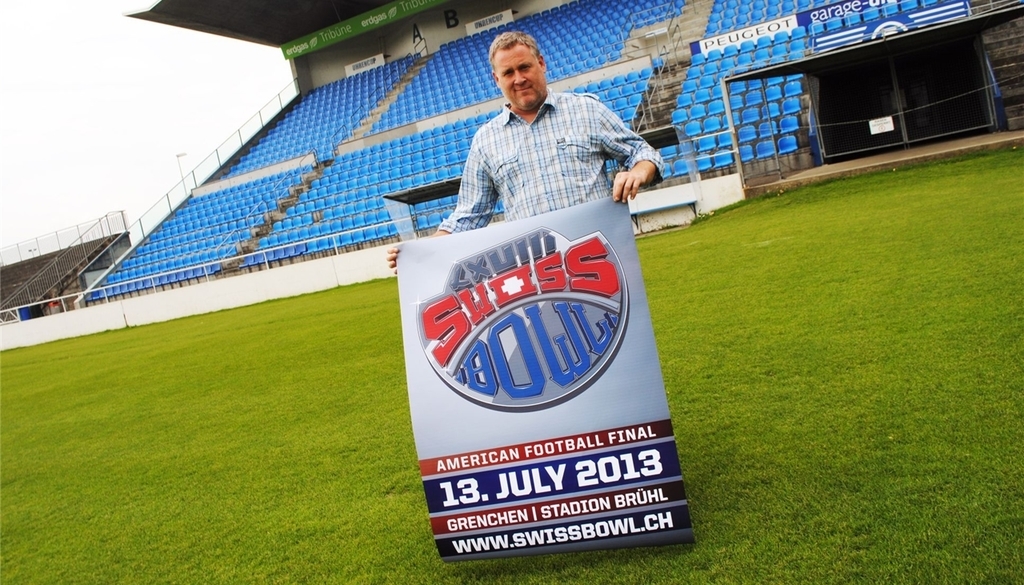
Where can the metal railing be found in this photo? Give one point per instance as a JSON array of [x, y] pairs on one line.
[[55, 274], [207, 271], [347, 128], [669, 51], [111, 223], [165, 206]]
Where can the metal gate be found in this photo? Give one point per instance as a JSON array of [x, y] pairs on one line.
[[902, 99]]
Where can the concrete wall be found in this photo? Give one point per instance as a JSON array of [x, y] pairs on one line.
[[668, 207], [216, 295]]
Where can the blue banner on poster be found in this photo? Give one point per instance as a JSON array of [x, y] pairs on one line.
[[536, 395]]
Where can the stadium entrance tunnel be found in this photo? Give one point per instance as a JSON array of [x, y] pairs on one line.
[[900, 89]]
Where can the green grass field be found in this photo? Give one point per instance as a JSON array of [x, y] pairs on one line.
[[845, 370]]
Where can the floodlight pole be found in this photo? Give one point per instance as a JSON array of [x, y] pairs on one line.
[[181, 173]]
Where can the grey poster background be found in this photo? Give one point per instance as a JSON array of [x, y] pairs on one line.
[[630, 391]]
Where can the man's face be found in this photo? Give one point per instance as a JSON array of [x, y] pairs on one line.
[[521, 77]]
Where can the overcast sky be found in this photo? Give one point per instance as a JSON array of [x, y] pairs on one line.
[[96, 105]]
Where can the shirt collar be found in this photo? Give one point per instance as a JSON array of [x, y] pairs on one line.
[[550, 103]]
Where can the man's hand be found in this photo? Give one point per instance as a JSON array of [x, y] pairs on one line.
[[393, 252], [393, 259], [627, 183]]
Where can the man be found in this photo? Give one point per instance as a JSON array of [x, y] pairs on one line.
[[546, 150]]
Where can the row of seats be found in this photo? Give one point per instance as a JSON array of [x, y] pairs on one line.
[[769, 129], [727, 15], [756, 106], [356, 182], [324, 118], [344, 207], [580, 36], [206, 228]]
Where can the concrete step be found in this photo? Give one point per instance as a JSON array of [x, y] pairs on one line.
[[390, 97]]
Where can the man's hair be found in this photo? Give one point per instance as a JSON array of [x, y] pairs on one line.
[[507, 40]]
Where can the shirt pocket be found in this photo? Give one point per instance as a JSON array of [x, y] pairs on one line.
[[508, 174], [576, 155]]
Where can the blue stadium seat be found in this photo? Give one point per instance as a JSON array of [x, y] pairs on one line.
[[705, 144], [747, 134], [790, 106], [722, 160], [788, 144], [765, 149], [789, 124], [792, 89], [679, 168]]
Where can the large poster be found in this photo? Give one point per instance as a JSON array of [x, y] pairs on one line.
[[537, 401]]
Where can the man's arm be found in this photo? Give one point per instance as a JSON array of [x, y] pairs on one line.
[[620, 142]]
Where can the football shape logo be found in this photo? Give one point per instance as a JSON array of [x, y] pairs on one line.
[[529, 323]]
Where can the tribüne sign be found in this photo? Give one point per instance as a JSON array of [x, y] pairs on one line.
[[356, 26], [537, 401]]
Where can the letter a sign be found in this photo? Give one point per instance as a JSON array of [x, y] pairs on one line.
[[537, 401]]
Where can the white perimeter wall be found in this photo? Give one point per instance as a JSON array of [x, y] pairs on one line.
[[316, 275], [216, 295]]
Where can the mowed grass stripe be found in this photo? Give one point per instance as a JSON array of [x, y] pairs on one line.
[[844, 368]]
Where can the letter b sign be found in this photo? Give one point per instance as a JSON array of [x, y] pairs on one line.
[[451, 19]]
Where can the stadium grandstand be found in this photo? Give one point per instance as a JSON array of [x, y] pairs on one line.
[[367, 147]]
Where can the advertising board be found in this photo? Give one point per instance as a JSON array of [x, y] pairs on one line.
[[537, 402]]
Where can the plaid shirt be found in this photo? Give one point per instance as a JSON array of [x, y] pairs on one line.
[[555, 162]]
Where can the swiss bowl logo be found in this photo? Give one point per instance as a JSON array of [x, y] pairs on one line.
[[529, 323]]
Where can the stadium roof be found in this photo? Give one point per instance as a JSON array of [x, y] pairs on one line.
[[890, 45], [258, 21]]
